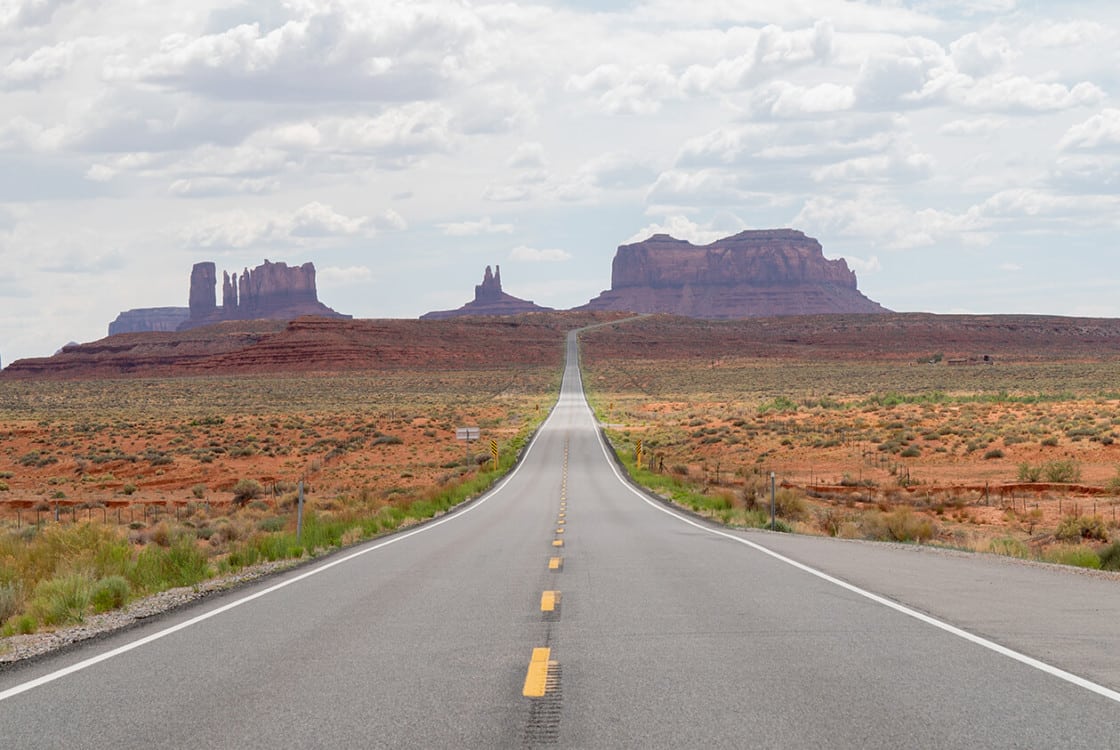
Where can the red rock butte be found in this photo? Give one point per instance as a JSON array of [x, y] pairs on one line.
[[271, 291], [757, 273], [489, 299]]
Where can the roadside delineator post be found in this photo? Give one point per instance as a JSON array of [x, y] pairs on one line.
[[772, 499], [299, 513]]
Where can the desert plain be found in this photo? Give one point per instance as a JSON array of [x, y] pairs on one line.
[[119, 479]]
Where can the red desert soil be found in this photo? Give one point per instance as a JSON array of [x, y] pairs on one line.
[[699, 389]]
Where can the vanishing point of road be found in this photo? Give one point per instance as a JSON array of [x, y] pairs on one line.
[[566, 609]]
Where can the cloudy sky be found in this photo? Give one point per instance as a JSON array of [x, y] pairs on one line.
[[962, 156]]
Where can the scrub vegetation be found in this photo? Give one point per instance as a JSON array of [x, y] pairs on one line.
[[119, 489], [1019, 459]]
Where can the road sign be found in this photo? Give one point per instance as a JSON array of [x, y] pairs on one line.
[[638, 454], [494, 452], [466, 433]]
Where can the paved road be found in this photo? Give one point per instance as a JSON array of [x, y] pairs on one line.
[[662, 632]]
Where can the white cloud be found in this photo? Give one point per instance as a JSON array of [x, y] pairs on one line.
[[506, 193], [978, 126], [29, 13], [536, 255], [1100, 130], [978, 54], [100, 173], [209, 187], [390, 220], [785, 100], [393, 52], [1026, 94], [627, 90], [528, 156], [344, 276], [879, 219], [682, 228], [243, 229], [485, 225], [318, 220], [42, 65], [895, 168], [1057, 34], [1010, 267]]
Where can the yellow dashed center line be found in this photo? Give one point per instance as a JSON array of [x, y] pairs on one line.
[[557, 542], [549, 600], [560, 530], [537, 675], [554, 563]]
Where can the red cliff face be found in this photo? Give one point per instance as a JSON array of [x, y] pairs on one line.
[[751, 274]]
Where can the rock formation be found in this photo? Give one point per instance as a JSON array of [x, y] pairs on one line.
[[273, 291], [145, 319], [751, 274], [489, 299]]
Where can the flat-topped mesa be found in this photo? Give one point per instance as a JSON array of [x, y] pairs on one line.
[[489, 299], [757, 273], [274, 291], [145, 319]]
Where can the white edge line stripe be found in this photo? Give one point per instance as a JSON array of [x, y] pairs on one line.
[[960, 633], [78, 666]]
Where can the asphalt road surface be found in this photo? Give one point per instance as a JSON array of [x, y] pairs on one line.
[[565, 609]]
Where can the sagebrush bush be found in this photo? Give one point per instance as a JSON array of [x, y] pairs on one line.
[[109, 593], [246, 490], [1064, 471], [899, 525], [9, 601], [1074, 528], [791, 505]]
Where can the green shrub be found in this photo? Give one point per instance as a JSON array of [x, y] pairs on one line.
[[1112, 487], [246, 490], [1110, 557], [109, 593], [387, 440], [1062, 471], [1010, 547], [159, 568], [3, 486], [912, 451], [25, 624], [993, 453], [273, 524], [60, 601], [129, 489], [1028, 473], [1080, 556], [9, 601], [199, 491], [1072, 529], [899, 525], [790, 504]]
